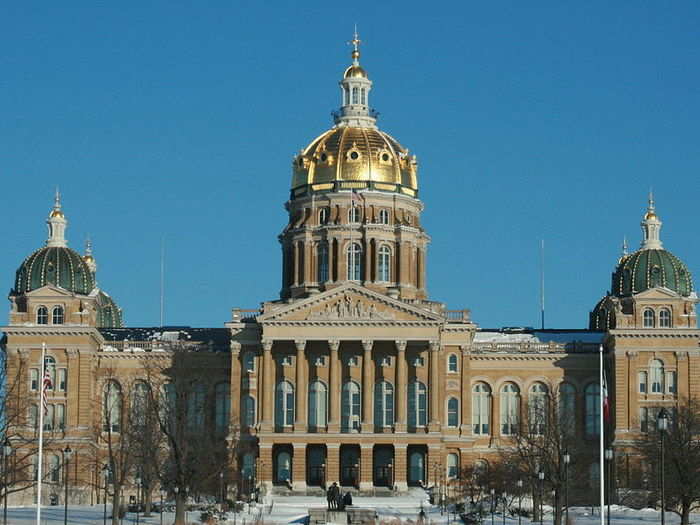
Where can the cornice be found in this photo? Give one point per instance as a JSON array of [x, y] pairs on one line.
[[668, 333]]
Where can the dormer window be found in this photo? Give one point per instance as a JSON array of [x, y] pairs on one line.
[[664, 318], [649, 318], [57, 315], [42, 315]]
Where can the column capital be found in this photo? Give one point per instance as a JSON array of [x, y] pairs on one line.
[[632, 353], [333, 344], [266, 344], [300, 344], [434, 346], [367, 344], [235, 347], [400, 345], [465, 349]]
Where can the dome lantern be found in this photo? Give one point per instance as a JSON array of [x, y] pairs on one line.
[[57, 224], [651, 227], [354, 93]]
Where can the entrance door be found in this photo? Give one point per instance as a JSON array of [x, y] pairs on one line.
[[316, 461], [383, 466], [416, 467], [350, 466]]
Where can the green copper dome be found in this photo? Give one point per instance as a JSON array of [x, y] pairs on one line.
[[109, 315], [56, 265], [650, 268]]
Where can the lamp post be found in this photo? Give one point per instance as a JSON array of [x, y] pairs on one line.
[[6, 451], [138, 499], [566, 458], [105, 475], [662, 425], [67, 453], [391, 476], [519, 483], [493, 493], [323, 475], [221, 488], [162, 495], [540, 476], [608, 462]]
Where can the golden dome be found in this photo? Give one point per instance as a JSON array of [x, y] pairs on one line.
[[355, 72], [650, 215], [56, 213], [348, 153], [88, 258]]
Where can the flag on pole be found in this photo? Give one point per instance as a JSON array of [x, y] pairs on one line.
[[46, 385], [606, 399], [357, 198]]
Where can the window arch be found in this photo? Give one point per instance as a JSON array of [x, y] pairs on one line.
[[649, 318], [567, 407], [350, 407], [284, 404], [453, 412], [196, 406], [537, 408], [510, 409], [592, 398], [322, 257], [417, 404], [249, 362], [112, 407], [656, 370], [354, 262], [42, 315], [664, 318], [383, 404], [57, 315], [383, 216], [222, 406], [318, 403], [384, 264], [248, 411], [481, 408], [452, 363]]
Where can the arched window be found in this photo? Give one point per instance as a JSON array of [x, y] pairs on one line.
[[452, 466], [567, 407], [383, 404], [323, 216], [383, 217], [384, 264], [318, 402], [354, 262], [42, 315], [195, 406], [249, 362], [284, 467], [55, 469], [139, 403], [649, 318], [350, 407], [355, 96], [656, 371], [57, 315], [664, 318], [592, 398], [537, 408], [481, 408], [510, 409], [248, 411], [322, 256], [452, 363], [364, 96], [50, 366], [222, 406], [112, 407], [417, 404], [453, 412], [354, 215], [284, 404]]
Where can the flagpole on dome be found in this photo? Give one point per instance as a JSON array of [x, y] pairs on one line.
[[601, 461], [40, 459]]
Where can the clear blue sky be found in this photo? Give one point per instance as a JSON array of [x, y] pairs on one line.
[[178, 120]]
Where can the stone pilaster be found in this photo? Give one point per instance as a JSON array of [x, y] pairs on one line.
[[366, 481], [331, 259], [264, 467], [300, 413], [299, 467], [401, 379], [268, 393], [334, 372], [434, 387], [400, 467], [332, 463], [367, 387], [465, 402], [235, 387]]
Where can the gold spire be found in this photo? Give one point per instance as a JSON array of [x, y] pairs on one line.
[[651, 210], [56, 211], [355, 43]]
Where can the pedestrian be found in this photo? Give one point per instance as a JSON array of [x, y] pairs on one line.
[[333, 492], [347, 499]]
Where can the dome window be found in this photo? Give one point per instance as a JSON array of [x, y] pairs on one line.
[[649, 318], [323, 216], [664, 318], [324, 157], [57, 315], [354, 215], [355, 96], [383, 217], [42, 315], [50, 268]]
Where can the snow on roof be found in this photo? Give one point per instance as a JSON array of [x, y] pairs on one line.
[[538, 336]]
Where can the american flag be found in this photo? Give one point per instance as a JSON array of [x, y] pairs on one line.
[[606, 399], [47, 384], [357, 198]]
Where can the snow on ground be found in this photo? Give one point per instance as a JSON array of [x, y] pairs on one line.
[[283, 510]]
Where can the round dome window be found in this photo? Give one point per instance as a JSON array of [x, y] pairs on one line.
[[354, 155]]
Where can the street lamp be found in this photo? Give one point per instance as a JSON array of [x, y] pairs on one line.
[[221, 488], [67, 453], [662, 425], [391, 476], [566, 458], [493, 493], [519, 483], [105, 475], [138, 498], [163, 494], [540, 476], [608, 462], [6, 452]]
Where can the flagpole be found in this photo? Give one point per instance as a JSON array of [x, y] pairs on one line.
[[602, 436], [41, 435]]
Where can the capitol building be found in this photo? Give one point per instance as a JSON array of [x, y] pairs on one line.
[[354, 373]]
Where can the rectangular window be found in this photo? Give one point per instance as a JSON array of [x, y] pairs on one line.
[[642, 382], [62, 379], [34, 379], [61, 417], [643, 419], [671, 383]]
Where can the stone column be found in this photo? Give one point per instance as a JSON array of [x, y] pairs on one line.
[[300, 410], [366, 466], [433, 457], [334, 372], [268, 394], [631, 410], [434, 387], [332, 463], [367, 387], [331, 276], [235, 387], [401, 395], [368, 260], [264, 467], [299, 467], [295, 251], [309, 266], [465, 402], [400, 474]]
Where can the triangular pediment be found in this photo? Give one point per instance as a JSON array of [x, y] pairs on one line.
[[657, 293], [350, 302], [50, 290]]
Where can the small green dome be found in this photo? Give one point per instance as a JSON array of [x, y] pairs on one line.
[[109, 315], [56, 265], [651, 268]]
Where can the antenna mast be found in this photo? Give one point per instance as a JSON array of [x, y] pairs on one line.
[[542, 283]]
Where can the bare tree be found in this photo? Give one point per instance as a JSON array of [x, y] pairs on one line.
[[682, 459]]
